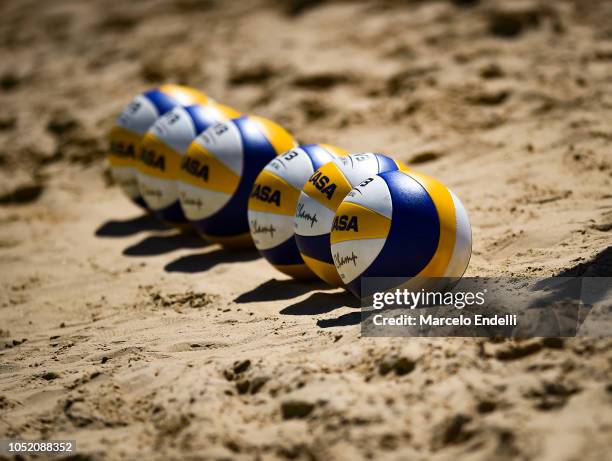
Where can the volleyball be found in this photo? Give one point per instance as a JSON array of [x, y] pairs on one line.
[[271, 208], [218, 171], [161, 151], [138, 116], [404, 225], [319, 199]]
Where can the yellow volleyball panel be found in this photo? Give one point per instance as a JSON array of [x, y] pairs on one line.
[[185, 95], [296, 271], [280, 138], [123, 147], [157, 159], [328, 186], [273, 194], [325, 271], [401, 166], [200, 168], [227, 112], [335, 150], [443, 201], [354, 221]]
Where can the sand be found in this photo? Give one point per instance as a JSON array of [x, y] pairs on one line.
[[142, 343]]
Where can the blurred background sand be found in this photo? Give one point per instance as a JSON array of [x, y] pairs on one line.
[[141, 343]]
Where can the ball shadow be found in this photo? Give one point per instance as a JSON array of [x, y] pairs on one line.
[[598, 266], [572, 294], [321, 303], [204, 261], [127, 227], [160, 244], [274, 290], [352, 318]]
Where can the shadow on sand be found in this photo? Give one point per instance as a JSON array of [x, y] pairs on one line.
[[572, 294], [127, 227], [204, 261], [345, 320], [567, 284], [274, 290], [321, 303], [155, 245], [599, 266]]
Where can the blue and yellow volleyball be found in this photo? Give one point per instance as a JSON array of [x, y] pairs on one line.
[[402, 225], [126, 135], [273, 201], [319, 199], [218, 171], [162, 149]]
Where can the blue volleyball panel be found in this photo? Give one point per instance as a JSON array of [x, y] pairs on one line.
[[316, 247], [255, 143], [286, 253], [200, 117], [415, 230], [385, 163], [232, 219], [318, 155], [162, 102]]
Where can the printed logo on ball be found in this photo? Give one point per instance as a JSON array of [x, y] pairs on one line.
[[294, 166], [269, 229], [312, 218], [323, 184]]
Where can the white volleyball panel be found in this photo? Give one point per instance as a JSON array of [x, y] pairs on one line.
[[269, 229], [294, 166], [125, 176], [353, 257], [200, 203], [175, 129], [312, 218], [463, 241], [139, 115], [374, 195], [211, 114], [224, 141], [158, 193], [357, 167]]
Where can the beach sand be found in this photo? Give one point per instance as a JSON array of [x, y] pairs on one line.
[[140, 342]]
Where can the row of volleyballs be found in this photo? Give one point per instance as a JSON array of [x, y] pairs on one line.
[[309, 209]]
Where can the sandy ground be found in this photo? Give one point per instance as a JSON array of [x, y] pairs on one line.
[[141, 343]]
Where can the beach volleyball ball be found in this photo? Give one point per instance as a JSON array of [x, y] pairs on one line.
[[273, 200], [133, 123], [218, 171], [319, 199], [404, 225], [161, 151]]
